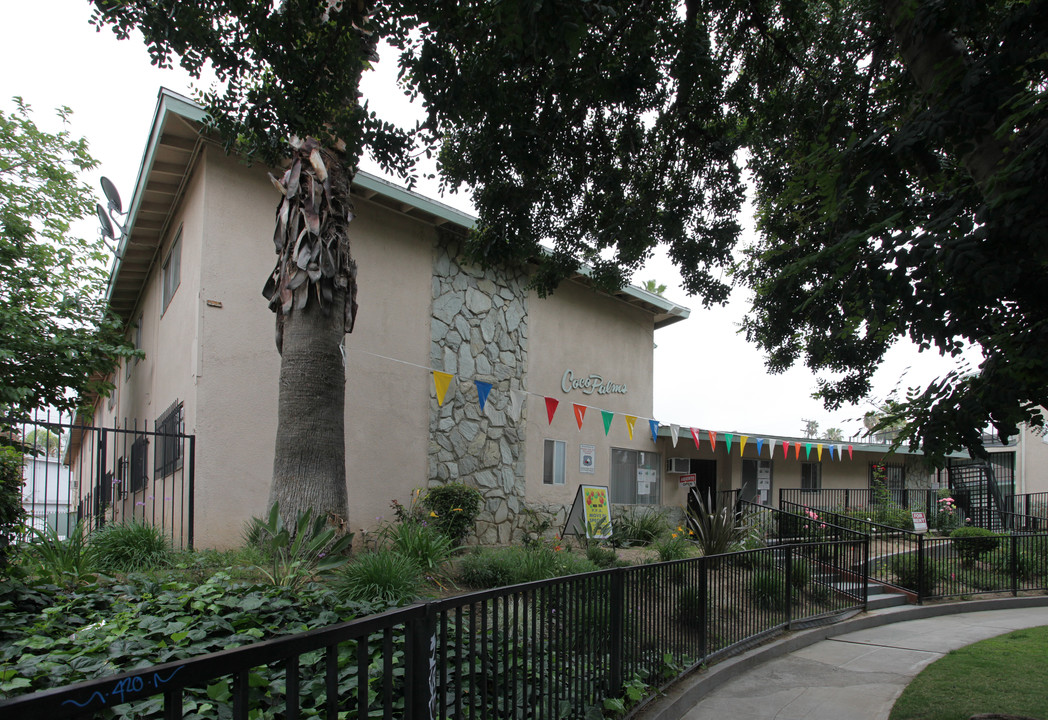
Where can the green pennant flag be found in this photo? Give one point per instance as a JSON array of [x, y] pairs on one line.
[[807, 450], [607, 415], [728, 437]]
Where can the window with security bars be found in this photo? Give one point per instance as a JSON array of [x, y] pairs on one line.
[[811, 476], [169, 440]]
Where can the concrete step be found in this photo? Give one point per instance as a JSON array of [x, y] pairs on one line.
[[883, 600]]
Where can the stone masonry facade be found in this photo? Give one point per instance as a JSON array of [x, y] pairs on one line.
[[479, 331]]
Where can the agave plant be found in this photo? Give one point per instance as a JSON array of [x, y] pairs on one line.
[[314, 549], [715, 532]]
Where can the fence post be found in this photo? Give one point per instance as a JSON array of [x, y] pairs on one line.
[[192, 490], [789, 587], [617, 630], [704, 595], [421, 665], [866, 572], [920, 569], [847, 498], [1014, 563]]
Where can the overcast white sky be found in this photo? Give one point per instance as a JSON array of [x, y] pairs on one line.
[[706, 375]]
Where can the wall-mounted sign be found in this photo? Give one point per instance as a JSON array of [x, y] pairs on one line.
[[688, 481], [590, 384], [587, 459], [646, 477]]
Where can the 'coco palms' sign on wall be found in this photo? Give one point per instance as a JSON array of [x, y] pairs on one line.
[[590, 384]]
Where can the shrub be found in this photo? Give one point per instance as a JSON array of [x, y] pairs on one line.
[[62, 562], [384, 575], [424, 544], [453, 509], [800, 573], [638, 527], [488, 568], [768, 589], [12, 514], [675, 547], [906, 575], [689, 606], [971, 543], [601, 556], [128, 547]]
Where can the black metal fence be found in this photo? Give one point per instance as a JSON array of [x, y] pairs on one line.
[[1029, 504], [95, 475], [839, 499], [549, 649]]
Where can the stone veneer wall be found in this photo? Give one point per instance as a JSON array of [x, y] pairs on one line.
[[479, 331]]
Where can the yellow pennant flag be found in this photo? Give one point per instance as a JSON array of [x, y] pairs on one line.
[[441, 380], [819, 448], [742, 444], [630, 420]]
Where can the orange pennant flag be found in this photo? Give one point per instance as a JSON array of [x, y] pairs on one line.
[[797, 450], [551, 407], [630, 420], [580, 412], [713, 439], [441, 380]]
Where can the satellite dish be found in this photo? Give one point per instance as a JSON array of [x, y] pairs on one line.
[[103, 218], [112, 195]]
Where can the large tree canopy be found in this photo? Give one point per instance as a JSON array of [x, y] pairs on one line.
[[55, 335], [896, 148], [899, 154]]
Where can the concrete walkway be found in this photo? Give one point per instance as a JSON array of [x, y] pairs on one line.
[[856, 673]]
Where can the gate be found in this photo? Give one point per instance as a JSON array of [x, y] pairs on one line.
[[75, 472]]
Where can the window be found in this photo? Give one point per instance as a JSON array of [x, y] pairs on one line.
[[635, 477], [172, 269], [553, 462], [139, 464], [811, 476], [169, 428]]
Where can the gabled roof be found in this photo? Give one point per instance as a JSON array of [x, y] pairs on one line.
[[175, 142]]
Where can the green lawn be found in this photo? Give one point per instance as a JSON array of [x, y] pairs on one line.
[[1006, 674]]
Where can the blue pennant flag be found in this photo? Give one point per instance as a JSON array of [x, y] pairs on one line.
[[654, 430], [760, 444], [483, 388]]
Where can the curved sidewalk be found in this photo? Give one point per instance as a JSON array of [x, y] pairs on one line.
[[855, 669]]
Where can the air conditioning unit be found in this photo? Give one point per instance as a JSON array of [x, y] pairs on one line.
[[679, 466]]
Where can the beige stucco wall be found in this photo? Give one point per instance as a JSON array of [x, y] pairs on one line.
[[386, 399], [585, 332]]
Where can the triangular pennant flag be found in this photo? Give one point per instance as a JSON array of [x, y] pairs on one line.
[[742, 445], [607, 416], [728, 437], [674, 433], [516, 402], [771, 448], [483, 388], [785, 449], [580, 412], [807, 451], [850, 453], [551, 407], [760, 444], [713, 439], [695, 436], [654, 430], [441, 380], [797, 450], [819, 453], [832, 448], [630, 420]]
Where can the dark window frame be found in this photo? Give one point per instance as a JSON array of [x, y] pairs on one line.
[[170, 429]]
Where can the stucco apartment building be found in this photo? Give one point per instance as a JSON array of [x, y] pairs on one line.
[[570, 376]]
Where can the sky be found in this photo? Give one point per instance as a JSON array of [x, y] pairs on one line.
[[706, 374]]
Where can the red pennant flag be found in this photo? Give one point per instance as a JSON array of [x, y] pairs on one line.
[[551, 407], [850, 453], [785, 449], [695, 436], [713, 440], [580, 412]]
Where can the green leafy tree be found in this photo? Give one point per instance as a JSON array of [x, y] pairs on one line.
[[654, 286], [596, 127], [898, 153], [57, 344]]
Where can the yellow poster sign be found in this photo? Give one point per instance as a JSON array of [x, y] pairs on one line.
[[590, 513]]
